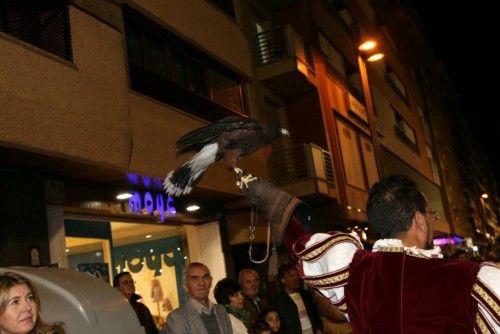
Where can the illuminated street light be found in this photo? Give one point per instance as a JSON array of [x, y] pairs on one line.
[[369, 49], [367, 45], [369, 52], [375, 57], [485, 195]]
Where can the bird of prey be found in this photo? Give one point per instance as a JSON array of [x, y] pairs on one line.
[[228, 140]]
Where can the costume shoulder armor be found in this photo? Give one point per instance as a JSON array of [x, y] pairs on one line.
[[311, 252]]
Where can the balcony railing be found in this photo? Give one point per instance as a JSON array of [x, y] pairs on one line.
[[304, 169], [285, 63], [280, 43]]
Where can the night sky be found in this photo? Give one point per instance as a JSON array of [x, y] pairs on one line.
[[462, 34]]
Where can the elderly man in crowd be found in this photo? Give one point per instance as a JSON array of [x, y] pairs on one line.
[[198, 315], [250, 286]]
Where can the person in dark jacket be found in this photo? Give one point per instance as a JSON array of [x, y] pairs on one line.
[[298, 313], [125, 284]]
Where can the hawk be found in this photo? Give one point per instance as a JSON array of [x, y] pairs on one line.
[[228, 140]]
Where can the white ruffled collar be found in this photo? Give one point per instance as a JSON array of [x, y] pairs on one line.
[[395, 245]]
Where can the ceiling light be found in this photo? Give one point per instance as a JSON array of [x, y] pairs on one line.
[[192, 208], [123, 196], [148, 236]]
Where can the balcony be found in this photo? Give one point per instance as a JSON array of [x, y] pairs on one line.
[[284, 62], [304, 170]]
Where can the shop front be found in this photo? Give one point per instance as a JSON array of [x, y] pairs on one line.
[[147, 234]]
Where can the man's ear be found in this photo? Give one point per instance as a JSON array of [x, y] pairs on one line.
[[420, 222]]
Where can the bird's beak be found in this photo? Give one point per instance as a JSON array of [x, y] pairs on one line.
[[284, 132]]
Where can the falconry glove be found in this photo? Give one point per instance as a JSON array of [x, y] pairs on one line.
[[276, 204]]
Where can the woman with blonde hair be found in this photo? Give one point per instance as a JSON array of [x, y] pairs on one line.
[[20, 307]]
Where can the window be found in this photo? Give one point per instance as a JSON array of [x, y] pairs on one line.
[[189, 74], [44, 24], [226, 6], [167, 68], [331, 56], [432, 162], [336, 63], [427, 128], [358, 157], [395, 82], [405, 132], [341, 14]]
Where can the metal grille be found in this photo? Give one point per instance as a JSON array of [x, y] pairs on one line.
[[271, 46], [296, 163], [44, 24]]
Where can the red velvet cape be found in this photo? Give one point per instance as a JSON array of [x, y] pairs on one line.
[[399, 293]]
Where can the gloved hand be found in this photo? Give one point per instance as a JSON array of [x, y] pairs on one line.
[[276, 204]]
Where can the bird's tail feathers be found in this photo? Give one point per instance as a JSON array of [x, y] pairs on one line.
[[182, 180]]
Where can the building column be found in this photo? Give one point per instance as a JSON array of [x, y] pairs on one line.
[[57, 244], [205, 246]]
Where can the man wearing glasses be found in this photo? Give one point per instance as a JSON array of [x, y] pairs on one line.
[[126, 285], [403, 285], [198, 315]]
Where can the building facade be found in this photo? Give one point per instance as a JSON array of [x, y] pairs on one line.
[[94, 94]]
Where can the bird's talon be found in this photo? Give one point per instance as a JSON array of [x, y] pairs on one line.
[[245, 180]]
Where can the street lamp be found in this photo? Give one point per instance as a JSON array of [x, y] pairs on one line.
[[368, 51]]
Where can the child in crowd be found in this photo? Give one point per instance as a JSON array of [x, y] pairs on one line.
[[272, 318], [260, 327]]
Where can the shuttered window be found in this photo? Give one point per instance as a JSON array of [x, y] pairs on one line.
[[44, 24]]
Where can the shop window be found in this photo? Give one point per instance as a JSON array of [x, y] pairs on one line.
[[44, 24], [155, 255], [167, 68]]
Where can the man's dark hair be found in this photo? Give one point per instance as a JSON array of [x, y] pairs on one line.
[[392, 203], [116, 279], [285, 267], [224, 289]]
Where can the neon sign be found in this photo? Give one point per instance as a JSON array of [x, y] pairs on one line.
[[150, 202]]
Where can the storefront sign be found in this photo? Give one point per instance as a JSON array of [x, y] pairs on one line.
[[152, 203]]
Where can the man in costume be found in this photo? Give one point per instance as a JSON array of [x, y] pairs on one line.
[[403, 285]]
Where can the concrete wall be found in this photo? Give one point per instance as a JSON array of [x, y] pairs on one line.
[[73, 109]]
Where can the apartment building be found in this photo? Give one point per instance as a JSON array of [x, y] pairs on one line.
[[94, 94]]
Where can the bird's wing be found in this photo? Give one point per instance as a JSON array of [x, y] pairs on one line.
[[198, 138]]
